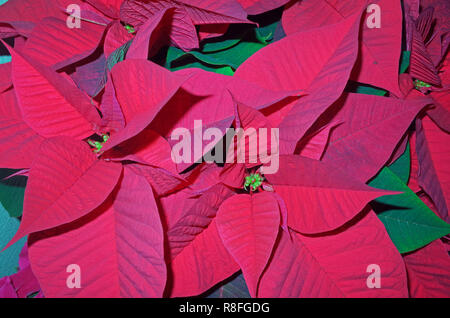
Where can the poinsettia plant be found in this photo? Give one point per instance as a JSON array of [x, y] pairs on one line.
[[120, 176]]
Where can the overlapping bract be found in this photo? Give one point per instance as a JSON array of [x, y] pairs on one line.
[[87, 115]]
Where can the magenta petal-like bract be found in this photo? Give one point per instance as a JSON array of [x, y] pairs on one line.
[[147, 148], [108, 7], [335, 265], [23, 15], [313, 145], [200, 12], [141, 100], [68, 112], [118, 126], [421, 66], [380, 45], [433, 150], [115, 37], [291, 64], [319, 197], [260, 6], [201, 265], [370, 125], [429, 271], [248, 226], [196, 218], [162, 181], [52, 43], [5, 80], [155, 29]]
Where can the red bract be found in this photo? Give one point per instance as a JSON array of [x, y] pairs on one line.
[[80, 119], [108, 7], [140, 105], [433, 151], [20, 142], [379, 118], [5, 69], [116, 36], [261, 6], [61, 181], [203, 92], [18, 17], [304, 186], [197, 258], [66, 172], [248, 226], [184, 37]]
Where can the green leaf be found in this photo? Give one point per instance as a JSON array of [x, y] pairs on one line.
[[408, 221], [233, 36], [177, 60], [9, 259], [404, 61], [12, 192]]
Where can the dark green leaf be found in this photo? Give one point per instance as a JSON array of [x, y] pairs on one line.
[[368, 90], [265, 34], [234, 287], [177, 60], [12, 192], [402, 166], [359, 88]]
